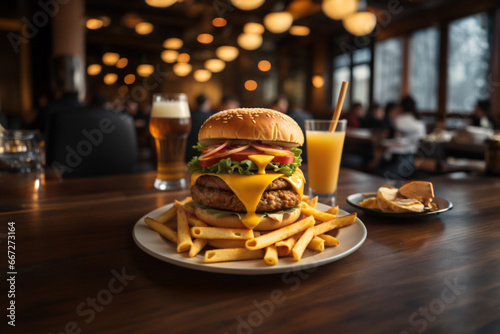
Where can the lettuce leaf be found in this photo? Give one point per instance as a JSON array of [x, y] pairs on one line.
[[246, 167]]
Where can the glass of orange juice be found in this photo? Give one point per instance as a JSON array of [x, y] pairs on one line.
[[324, 152]]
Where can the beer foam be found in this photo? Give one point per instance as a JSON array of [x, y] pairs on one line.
[[170, 109]]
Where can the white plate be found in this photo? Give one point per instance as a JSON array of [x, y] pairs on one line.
[[350, 237]]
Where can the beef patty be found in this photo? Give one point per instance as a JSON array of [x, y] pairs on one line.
[[213, 192]]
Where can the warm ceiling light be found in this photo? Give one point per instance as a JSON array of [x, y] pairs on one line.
[[338, 9], [299, 30], [247, 4], [129, 79], [219, 22], [94, 69], [94, 24], [144, 28], [106, 21], [253, 28], [205, 38], [249, 41], [122, 62], [110, 58], [160, 3], [169, 56], [202, 75], [183, 58], [227, 53], [264, 65], [182, 69], [173, 43], [110, 78], [130, 20], [360, 24], [278, 22], [215, 65], [250, 85], [145, 70], [318, 81]]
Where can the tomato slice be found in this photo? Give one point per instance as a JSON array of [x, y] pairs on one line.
[[243, 155]]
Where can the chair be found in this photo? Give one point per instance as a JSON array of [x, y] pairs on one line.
[[91, 141]]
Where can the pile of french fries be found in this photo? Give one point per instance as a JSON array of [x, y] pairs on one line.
[[180, 225]]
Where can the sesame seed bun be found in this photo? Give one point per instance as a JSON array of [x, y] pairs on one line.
[[251, 124]]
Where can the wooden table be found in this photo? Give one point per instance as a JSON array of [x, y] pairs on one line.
[[79, 270]]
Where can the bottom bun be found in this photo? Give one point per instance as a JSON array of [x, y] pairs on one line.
[[232, 221]]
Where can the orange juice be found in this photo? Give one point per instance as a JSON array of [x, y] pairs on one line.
[[324, 151]]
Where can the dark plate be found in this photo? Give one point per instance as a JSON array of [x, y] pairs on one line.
[[355, 199]]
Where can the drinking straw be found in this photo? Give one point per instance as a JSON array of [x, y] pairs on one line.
[[338, 107]]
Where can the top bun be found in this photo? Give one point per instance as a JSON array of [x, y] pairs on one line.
[[251, 124]]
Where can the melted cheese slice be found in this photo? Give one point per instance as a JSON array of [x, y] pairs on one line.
[[249, 188], [261, 160]]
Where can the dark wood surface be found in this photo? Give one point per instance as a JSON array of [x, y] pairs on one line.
[[438, 274]]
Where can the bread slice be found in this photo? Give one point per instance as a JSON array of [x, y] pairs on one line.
[[389, 201], [420, 190]]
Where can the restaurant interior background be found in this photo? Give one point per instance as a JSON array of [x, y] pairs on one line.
[[117, 54]]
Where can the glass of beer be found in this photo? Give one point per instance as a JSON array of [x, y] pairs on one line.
[[324, 152], [169, 125]]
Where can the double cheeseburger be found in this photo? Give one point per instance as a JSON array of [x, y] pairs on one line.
[[248, 175]]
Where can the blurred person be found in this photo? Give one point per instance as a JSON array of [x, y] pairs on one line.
[[281, 104], [407, 123], [355, 115], [482, 116], [228, 102], [400, 151], [199, 115], [376, 118], [66, 88]]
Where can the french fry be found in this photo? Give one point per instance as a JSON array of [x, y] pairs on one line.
[[335, 223], [313, 202], [320, 215], [329, 240], [316, 244], [232, 254], [167, 215], [305, 198], [301, 244], [271, 255], [280, 234], [164, 231], [334, 210], [198, 245], [370, 203], [184, 242], [221, 233], [172, 212], [226, 243], [285, 246]]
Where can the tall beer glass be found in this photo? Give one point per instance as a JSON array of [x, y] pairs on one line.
[[169, 125]]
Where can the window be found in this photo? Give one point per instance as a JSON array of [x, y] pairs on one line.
[[361, 76], [468, 62], [388, 70], [424, 68], [341, 72], [354, 68]]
